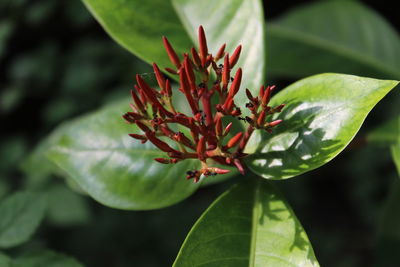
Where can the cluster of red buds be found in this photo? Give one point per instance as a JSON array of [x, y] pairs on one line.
[[154, 112]]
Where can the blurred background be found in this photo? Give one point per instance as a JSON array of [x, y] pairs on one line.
[[56, 62]]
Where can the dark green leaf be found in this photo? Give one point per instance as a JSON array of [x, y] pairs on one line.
[[396, 156], [113, 168], [389, 229], [21, 214], [4, 188], [322, 115], [4, 260], [333, 36], [45, 259], [387, 133], [249, 225], [139, 25], [6, 28], [66, 208]]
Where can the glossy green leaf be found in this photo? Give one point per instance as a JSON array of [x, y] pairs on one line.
[[388, 133], [20, 215], [234, 22], [138, 26], [116, 170], [249, 225], [45, 258], [333, 36], [321, 116]]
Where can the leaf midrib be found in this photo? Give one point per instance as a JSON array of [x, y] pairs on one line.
[[314, 40], [254, 227]]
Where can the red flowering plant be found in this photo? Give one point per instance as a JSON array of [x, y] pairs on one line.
[[153, 110], [251, 224]]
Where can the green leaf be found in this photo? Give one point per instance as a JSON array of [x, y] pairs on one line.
[[249, 225], [45, 258], [234, 22], [4, 260], [67, 208], [333, 36], [116, 170], [322, 115], [21, 214], [389, 229], [138, 26], [388, 133], [395, 149], [6, 28]]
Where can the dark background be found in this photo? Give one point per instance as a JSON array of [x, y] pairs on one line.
[[56, 63]]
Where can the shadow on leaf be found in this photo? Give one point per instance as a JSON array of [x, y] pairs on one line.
[[295, 146]]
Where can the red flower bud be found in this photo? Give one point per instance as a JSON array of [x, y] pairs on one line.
[[142, 127], [158, 143], [137, 102], [160, 78], [234, 140], [171, 53], [261, 118], [218, 126], [220, 52], [274, 123], [228, 129], [166, 161], [189, 73], [235, 56], [203, 46], [280, 107], [138, 136], [236, 83], [249, 95], [239, 166], [220, 171], [266, 96], [186, 89], [168, 88], [195, 57], [226, 72]]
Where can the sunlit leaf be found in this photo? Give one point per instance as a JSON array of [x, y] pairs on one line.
[[234, 22], [249, 225], [138, 26], [322, 115]]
